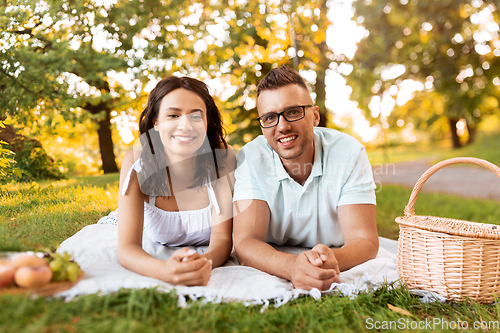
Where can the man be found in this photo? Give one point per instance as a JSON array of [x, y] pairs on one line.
[[299, 185]]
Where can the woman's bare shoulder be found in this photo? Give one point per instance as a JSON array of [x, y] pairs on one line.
[[129, 159], [132, 156]]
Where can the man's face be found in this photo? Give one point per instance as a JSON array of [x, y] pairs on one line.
[[289, 140]]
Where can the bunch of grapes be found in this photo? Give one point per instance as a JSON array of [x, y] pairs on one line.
[[63, 268]]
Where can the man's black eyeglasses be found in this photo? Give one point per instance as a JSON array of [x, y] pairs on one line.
[[291, 114]]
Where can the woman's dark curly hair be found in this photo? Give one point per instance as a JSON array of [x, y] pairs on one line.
[[154, 177]]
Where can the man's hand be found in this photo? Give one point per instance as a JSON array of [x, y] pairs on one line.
[[327, 257], [307, 274]]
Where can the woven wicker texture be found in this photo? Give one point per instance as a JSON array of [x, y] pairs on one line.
[[456, 259]]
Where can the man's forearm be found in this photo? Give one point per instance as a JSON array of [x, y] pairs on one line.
[[356, 252], [260, 255]]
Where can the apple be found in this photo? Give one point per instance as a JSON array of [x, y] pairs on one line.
[[7, 273], [27, 259], [32, 277]]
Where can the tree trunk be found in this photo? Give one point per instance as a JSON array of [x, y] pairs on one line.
[[105, 137], [471, 128], [106, 145], [319, 89], [454, 135], [16, 141]]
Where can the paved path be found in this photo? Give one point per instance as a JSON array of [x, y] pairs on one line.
[[460, 179]]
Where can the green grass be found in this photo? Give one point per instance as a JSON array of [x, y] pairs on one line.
[[486, 146], [43, 215], [392, 199], [410, 152], [47, 213], [149, 311]]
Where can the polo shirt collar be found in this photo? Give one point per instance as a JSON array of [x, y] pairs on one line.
[[280, 169], [317, 169]]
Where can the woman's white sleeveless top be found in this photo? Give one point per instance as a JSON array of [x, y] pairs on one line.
[[191, 227]]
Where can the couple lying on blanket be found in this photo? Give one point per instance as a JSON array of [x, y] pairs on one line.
[[297, 185]]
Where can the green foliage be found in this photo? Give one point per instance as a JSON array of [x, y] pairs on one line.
[[8, 170], [439, 45], [254, 44], [72, 60], [74, 147], [260, 35], [33, 162], [61, 59]]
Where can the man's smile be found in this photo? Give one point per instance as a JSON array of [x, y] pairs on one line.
[[287, 140]]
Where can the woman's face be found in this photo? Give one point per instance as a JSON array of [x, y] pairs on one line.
[[182, 123]]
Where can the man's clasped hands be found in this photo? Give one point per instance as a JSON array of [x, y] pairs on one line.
[[315, 268]]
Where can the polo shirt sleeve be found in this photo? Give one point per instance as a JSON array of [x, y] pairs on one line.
[[246, 185], [358, 186]]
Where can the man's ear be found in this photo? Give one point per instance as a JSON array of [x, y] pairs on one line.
[[317, 116]]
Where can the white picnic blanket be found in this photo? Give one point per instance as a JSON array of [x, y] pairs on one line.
[[94, 249]]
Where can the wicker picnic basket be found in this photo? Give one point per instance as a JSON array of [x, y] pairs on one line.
[[454, 258]]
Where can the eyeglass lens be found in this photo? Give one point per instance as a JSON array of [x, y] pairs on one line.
[[292, 114]]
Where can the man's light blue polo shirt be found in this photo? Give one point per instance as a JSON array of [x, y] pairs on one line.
[[306, 215]]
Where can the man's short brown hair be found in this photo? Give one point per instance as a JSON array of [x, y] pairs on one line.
[[280, 77]]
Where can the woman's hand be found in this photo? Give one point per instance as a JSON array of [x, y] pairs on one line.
[[187, 267]]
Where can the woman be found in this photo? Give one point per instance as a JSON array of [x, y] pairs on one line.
[[177, 188]]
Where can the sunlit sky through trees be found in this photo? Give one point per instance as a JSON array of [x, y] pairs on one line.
[[342, 38]]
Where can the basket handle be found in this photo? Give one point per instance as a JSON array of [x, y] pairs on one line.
[[410, 207]]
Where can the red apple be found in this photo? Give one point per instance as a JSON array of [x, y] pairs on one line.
[[7, 273]]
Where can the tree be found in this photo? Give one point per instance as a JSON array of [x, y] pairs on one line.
[[261, 35], [60, 57], [451, 47], [309, 24], [73, 59]]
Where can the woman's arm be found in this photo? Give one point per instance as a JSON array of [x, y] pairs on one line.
[[130, 228], [130, 225], [221, 238]]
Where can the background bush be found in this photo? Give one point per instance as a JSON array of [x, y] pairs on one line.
[[25, 159]]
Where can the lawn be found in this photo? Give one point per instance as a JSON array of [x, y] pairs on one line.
[[44, 214], [486, 147]]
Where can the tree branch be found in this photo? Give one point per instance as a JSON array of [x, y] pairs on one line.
[[20, 84], [27, 31]]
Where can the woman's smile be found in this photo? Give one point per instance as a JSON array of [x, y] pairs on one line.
[[184, 138]]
